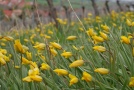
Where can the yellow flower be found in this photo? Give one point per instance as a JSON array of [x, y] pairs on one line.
[[27, 79], [102, 71], [25, 61], [36, 78], [26, 40], [2, 44], [103, 35], [56, 45], [75, 47], [125, 40], [66, 54], [53, 52], [131, 83], [99, 48], [17, 67], [18, 46], [98, 39], [3, 51], [50, 32], [71, 37], [76, 63], [87, 77], [34, 71], [33, 65], [61, 72], [29, 55], [129, 23], [40, 46], [73, 80], [2, 61], [9, 38], [105, 27], [91, 32], [44, 66]]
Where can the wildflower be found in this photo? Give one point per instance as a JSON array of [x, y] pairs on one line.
[[29, 55], [75, 47], [33, 65], [44, 66], [17, 67], [34, 71], [76, 63], [73, 80], [131, 83], [61, 72], [87, 77], [91, 32], [9, 38], [36, 78], [40, 46], [50, 32], [98, 39], [103, 35], [3, 44], [125, 40], [2, 61], [99, 48], [18, 46], [56, 45], [26, 40], [25, 61], [71, 37], [128, 22], [66, 54], [27, 79], [53, 52], [43, 57], [105, 27], [102, 71]]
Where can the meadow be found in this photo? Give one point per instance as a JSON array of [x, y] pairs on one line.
[[94, 54]]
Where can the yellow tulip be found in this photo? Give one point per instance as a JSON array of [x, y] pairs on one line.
[[102, 71], [61, 72], [99, 48], [87, 77], [76, 63]]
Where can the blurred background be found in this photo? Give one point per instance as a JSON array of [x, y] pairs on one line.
[[30, 13]]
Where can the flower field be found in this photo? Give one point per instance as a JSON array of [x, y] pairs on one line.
[[94, 54]]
